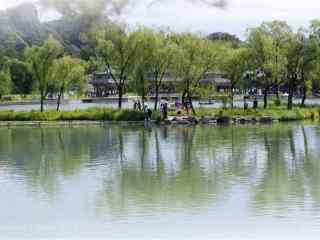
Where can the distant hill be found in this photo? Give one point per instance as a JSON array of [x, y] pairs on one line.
[[227, 37], [21, 27]]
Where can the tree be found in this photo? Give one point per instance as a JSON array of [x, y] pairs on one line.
[[41, 60], [280, 32], [195, 58], [5, 81], [118, 50], [67, 72], [265, 60], [153, 60], [22, 80], [235, 66], [161, 61], [142, 64], [303, 54]]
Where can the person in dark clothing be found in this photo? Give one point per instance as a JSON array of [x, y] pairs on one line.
[[165, 110], [255, 103], [149, 111]]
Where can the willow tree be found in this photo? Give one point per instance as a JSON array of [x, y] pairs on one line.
[[268, 64], [235, 65], [195, 58], [162, 57], [279, 33], [303, 55], [142, 64], [118, 49], [41, 60], [155, 54], [67, 72]]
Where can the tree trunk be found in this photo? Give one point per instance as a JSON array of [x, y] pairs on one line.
[[232, 98], [157, 98], [191, 104], [59, 99], [278, 94], [290, 98], [120, 96], [41, 100], [304, 97], [265, 98], [184, 99], [143, 95]]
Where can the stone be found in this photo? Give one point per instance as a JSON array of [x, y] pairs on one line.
[[266, 119], [223, 120]]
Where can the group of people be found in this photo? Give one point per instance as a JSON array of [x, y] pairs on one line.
[[137, 106], [246, 104], [164, 108]]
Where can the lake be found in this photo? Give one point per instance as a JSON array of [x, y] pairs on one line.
[[144, 182], [77, 104]]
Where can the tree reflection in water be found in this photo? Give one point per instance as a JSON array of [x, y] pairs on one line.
[[160, 169]]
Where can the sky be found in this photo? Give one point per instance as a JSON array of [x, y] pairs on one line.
[[182, 15]]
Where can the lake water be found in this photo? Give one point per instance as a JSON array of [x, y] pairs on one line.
[[143, 182], [72, 105]]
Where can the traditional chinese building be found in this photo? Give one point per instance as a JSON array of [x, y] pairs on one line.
[[103, 85]]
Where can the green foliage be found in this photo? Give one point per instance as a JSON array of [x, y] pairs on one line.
[[21, 76], [118, 50], [67, 73], [278, 113], [5, 82], [268, 54], [95, 114], [41, 60]]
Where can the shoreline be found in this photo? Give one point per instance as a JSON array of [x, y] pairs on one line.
[[186, 121], [107, 116]]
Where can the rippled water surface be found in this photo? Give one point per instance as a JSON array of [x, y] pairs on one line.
[[237, 182]]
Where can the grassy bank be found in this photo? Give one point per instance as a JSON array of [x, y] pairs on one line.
[[108, 114], [277, 113], [94, 114]]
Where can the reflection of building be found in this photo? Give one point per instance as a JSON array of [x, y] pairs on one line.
[[103, 84]]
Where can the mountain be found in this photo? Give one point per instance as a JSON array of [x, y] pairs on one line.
[[21, 27]]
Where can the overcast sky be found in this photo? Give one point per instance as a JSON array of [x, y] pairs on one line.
[[182, 15]]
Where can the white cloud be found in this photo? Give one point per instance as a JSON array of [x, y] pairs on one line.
[[185, 16]]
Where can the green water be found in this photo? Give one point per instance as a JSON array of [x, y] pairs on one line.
[[237, 182]]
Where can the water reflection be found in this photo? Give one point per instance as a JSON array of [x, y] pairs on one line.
[[144, 170]]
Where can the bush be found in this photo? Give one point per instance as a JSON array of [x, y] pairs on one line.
[[95, 114]]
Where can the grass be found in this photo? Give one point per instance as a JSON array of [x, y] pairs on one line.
[[278, 113], [94, 114], [108, 114]]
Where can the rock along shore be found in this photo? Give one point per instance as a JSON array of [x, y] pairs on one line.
[[219, 120], [170, 121]]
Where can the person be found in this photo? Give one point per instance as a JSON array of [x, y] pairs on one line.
[[255, 103], [245, 103], [161, 110], [149, 111], [139, 105], [165, 110], [134, 105]]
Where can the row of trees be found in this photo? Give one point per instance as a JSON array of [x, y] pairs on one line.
[[273, 58], [46, 69]]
